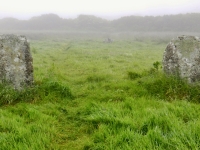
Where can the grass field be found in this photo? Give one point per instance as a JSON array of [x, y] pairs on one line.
[[91, 95]]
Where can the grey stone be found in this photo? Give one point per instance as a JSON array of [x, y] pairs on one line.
[[108, 40], [182, 58], [16, 61]]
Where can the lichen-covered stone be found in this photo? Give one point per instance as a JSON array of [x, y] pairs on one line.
[[15, 61], [182, 58]]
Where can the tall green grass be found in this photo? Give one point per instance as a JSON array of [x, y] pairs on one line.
[[46, 89], [148, 125]]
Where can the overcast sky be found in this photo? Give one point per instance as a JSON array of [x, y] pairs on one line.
[[109, 9]]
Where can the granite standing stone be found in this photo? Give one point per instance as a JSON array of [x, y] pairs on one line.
[[15, 61], [182, 58]]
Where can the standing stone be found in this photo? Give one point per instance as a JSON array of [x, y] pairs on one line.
[[182, 58], [108, 40], [15, 61]]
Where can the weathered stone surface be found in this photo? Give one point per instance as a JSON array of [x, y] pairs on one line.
[[182, 58], [15, 61]]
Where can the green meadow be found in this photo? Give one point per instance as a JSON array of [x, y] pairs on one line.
[[91, 95]]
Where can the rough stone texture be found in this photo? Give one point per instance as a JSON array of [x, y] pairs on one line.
[[182, 58], [15, 61]]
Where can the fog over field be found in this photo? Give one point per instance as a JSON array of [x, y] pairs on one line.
[[109, 17]]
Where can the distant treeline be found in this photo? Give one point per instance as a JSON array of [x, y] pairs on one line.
[[181, 22]]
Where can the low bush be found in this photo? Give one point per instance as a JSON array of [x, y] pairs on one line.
[[133, 75]]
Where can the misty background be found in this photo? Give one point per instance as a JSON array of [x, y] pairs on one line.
[[180, 22], [52, 25]]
